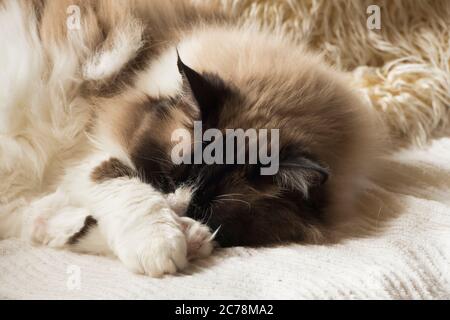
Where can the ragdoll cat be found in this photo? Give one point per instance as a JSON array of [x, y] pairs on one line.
[[91, 93]]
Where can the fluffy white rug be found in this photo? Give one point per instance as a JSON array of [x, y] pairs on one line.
[[403, 69]]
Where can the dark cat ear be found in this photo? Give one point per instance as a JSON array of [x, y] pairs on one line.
[[208, 90], [300, 173]]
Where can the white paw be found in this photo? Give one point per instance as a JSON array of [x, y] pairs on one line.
[[199, 239], [51, 221], [57, 231], [154, 249]]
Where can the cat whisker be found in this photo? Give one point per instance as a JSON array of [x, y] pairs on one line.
[[229, 195], [156, 159], [235, 200]]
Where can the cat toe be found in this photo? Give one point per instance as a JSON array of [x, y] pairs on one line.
[[199, 239], [154, 252]]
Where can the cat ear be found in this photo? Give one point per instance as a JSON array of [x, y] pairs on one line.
[[301, 173], [208, 90]]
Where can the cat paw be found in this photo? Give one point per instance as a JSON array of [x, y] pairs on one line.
[[156, 249], [50, 221], [199, 239]]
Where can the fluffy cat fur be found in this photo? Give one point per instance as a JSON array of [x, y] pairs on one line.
[[86, 121]]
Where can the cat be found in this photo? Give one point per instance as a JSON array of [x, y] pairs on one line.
[[89, 108]]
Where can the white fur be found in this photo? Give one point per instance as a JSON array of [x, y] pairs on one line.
[[52, 220], [20, 64], [41, 115], [162, 78], [126, 42], [179, 200], [134, 218], [46, 158], [135, 222]]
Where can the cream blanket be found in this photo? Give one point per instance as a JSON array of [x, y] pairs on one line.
[[400, 249]]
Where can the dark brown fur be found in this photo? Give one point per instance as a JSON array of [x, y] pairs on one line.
[[111, 169], [89, 223]]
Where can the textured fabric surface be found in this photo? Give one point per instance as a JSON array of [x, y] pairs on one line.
[[402, 69], [399, 249]]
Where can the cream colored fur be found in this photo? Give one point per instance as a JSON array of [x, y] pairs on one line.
[[47, 153]]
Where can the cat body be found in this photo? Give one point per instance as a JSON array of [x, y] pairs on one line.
[[88, 114]]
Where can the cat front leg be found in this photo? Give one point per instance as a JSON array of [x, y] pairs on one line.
[[135, 219], [54, 221], [139, 226]]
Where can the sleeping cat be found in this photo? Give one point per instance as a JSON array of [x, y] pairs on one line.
[[89, 105]]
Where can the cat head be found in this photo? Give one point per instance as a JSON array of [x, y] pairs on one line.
[[235, 196], [256, 85]]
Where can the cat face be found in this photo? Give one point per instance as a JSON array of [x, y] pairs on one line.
[[316, 152], [247, 207]]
